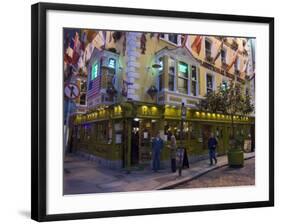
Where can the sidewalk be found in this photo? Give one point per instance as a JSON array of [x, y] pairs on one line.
[[83, 176]]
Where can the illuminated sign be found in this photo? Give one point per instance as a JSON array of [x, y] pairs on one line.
[[94, 71], [111, 63], [183, 68]]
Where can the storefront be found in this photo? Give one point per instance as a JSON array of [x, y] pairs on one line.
[[120, 136]]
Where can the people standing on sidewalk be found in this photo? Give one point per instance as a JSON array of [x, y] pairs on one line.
[[157, 146], [173, 152], [212, 146]]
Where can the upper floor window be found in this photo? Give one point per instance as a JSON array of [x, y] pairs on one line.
[[111, 66], [209, 83], [224, 84], [223, 56], [173, 38], [237, 65], [194, 81], [183, 79], [208, 49], [112, 63], [171, 74], [160, 73]]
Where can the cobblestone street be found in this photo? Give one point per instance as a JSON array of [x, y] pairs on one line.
[[224, 177]]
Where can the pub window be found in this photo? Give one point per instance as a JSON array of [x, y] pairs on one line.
[[83, 99], [171, 74], [183, 78], [162, 35], [173, 38], [237, 65], [83, 86], [160, 73], [208, 48], [223, 56], [111, 72], [224, 85], [209, 83], [194, 80]]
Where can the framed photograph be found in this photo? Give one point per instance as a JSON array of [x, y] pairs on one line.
[[140, 111]]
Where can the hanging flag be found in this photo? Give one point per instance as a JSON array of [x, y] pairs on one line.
[[234, 58], [218, 52], [196, 45]]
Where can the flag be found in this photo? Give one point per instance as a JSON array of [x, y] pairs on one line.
[[219, 51], [234, 58], [196, 45], [94, 86]]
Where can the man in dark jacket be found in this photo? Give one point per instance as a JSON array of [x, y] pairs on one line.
[[157, 146], [212, 145]]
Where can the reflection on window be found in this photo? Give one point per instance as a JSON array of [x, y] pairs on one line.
[[161, 73], [209, 83], [224, 84], [223, 56], [173, 38], [171, 74], [83, 99], [183, 77], [208, 48], [194, 80]]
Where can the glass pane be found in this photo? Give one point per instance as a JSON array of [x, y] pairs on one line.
[[171, 66], [209, 81], [160, 82], [173, 38], [182, 85], [183, 69], [194, 73], [193, 88], [171, 82]]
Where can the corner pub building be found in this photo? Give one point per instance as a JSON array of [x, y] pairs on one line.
[[136, 84]]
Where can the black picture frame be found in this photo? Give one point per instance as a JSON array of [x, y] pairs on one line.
[[39, 108]]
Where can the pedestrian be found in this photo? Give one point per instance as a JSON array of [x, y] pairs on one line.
[[157, 146], [173, 152], [212, 145]]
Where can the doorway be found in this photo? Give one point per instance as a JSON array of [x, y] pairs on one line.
[[135, 142]]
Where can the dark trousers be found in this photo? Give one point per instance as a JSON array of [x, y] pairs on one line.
[[212, 156], [185, 162], [156, 160], [173, 165]]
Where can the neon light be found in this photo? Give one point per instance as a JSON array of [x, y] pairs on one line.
[[183, 68], [111, 63], [94, 71]]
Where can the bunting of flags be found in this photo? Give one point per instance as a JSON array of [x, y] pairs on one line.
[[218, 52], [196, 45]]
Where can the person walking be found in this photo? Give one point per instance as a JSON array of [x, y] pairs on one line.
[[157, 146], [173, 152], [212, 145]]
